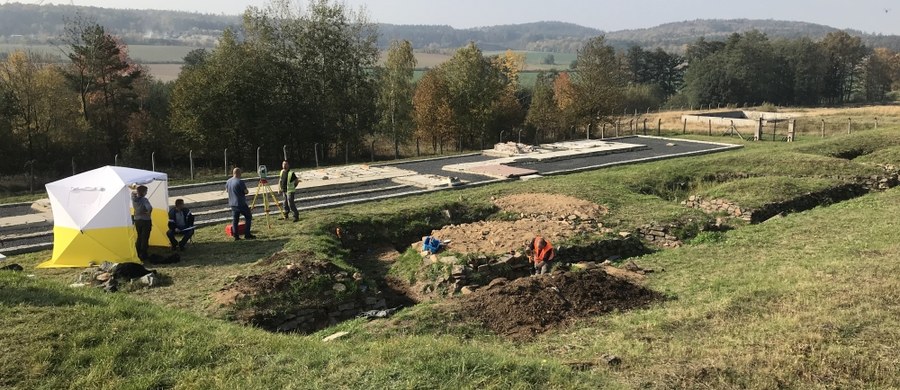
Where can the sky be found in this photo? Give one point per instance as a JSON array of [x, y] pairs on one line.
[[871, 16]]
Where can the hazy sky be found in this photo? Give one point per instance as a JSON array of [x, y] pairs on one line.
[[874, 16]]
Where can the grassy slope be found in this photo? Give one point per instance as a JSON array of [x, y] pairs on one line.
[[807, 299], [750, 311]]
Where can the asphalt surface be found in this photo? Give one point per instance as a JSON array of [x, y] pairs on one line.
[[41, 233]]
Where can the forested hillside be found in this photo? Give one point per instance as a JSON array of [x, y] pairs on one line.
[[28, 23]]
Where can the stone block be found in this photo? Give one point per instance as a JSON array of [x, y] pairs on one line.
[[448, 260]]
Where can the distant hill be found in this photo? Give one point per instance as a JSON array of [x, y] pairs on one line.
[[538, 36], [675, 36], [28, 23], [31, 23]]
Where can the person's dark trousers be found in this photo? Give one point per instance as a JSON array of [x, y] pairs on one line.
[[290, 205], [142, 244], [185, 237], [236, 213]]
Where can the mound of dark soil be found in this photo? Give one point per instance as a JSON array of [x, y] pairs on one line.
[[278, 280], [529, 306]]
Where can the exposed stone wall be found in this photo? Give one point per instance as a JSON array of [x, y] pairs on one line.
[[714, 206], [799, 203], [465, 277], [660, 235], [311, 319]]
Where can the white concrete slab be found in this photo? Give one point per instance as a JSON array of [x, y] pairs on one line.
[[427, 181], [551, 152]]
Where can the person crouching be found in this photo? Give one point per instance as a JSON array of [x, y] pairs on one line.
[[540, 253]]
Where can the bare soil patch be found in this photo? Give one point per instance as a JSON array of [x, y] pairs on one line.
[[525, 307], [555, 217], [551, 205]]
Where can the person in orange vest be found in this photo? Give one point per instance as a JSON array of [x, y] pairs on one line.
[[540, 253]]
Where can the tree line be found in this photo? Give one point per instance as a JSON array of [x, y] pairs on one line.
[[307, 82]]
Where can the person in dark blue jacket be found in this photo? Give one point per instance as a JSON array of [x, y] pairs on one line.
[[181, 221]]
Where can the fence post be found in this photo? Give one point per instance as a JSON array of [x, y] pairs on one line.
[[645, 126], [709, 131], [774, 129], [849, 123], [316, 153], [520, 136], [116, 160], [684, 127], [373, 149], [603, 130], [617, 128], [257, 157], [226, 161], [757, 135], [658, 126], [632, 126], [284, 149], [153, 161], [876, 123], [823, 128], [191, 158]]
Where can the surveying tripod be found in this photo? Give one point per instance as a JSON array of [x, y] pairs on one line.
[[263, 188]]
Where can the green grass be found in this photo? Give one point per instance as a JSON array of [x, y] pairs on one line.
[[888, 155], [809, 300], [854, 145], [759, 191]]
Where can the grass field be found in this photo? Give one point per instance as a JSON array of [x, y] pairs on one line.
[[806, 301], [139, 53]]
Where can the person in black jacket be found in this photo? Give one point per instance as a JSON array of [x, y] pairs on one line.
[[181, 221]]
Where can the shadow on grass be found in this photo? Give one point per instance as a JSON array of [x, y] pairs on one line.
[[222, 253], [39, 296]]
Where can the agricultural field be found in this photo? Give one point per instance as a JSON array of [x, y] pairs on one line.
[[144, 54], [805, 298]]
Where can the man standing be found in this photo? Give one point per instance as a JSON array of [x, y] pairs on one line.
[[287, 184], [142, 221], [181, 221], [237, 199]]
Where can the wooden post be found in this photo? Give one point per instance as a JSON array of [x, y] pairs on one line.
[[790, 136], [617, 128], [658, 126], [823, 128], [603, 130], [684, 126], [645, 126], [774, 129], [757, 135], [849, 123], [632, 127], [709, 131], [876, 123]]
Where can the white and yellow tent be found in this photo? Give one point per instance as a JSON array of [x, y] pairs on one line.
[[92, 216]]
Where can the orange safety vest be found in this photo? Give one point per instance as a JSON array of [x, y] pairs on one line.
[[540, 253]]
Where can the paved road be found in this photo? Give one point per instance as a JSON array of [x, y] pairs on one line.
[[40, 233]]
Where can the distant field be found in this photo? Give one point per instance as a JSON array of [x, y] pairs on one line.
[[139, 53], [534, 60], [165, 72], [165, 61]]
